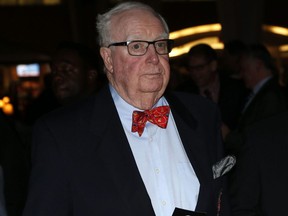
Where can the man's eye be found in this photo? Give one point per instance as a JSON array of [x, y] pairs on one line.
[[161, 44], [137, 46]]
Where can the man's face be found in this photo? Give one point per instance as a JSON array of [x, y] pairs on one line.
[[248, 70], [136, 76], [68, 76], [201, 71]]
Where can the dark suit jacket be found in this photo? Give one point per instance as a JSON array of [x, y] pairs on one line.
[[230, 99], [82, 163], [14, 162], [260, 186], [269, 101]]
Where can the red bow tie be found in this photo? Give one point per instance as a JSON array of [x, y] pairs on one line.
[[158, 116]]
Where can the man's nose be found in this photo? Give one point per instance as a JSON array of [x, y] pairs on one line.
[[58, 76], [152, 54]]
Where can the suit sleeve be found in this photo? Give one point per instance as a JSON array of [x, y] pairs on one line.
[[245, 187], [48, 193], [14, 163], [273, 103], [223, 202]]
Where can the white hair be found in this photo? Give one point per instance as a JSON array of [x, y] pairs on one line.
[[104, 20]]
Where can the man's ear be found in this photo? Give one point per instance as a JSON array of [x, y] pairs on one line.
[[107, 59], [214, 65]]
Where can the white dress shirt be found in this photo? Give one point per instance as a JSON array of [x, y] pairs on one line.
[[166, 171]]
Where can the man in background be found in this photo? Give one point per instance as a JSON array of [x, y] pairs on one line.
[[14, 169], [209, 82], [75, 75], [75, 72], [260, 184], [266, 96]]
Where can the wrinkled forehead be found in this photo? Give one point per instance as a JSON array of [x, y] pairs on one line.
[[136, 22]]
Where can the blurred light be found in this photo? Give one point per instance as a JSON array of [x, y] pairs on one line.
[[6, 99], [283, 48], [8, 109], [276, 30], [195, 30], [51, 2], [212, 41], [6, 106], [28, 70]]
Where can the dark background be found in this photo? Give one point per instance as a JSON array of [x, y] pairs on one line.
[[30, 33], [33, 31]]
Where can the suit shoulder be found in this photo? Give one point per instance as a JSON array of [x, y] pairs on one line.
[[194, 101], [70, 113], [193, 107], [263, 127]]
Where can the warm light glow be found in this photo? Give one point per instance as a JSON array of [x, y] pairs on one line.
[[195, 30], [283, 48], [212, 41], [51, 2], [6, 99], [8, 109], [276, 30], [6, 106], [217, 27]]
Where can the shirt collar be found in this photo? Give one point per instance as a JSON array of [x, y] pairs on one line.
[[259, 85], [125, 109]]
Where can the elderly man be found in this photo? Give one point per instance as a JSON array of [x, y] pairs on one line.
[[90, 159]]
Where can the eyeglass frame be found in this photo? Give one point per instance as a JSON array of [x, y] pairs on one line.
[[126, 43]]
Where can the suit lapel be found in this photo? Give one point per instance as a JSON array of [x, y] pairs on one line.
[[251, 114], [115, 148]]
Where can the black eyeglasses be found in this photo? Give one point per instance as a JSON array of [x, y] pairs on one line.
[[140, 47]]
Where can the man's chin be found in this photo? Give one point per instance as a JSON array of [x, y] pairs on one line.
[[63, 97], [152, 87], [153, 91]]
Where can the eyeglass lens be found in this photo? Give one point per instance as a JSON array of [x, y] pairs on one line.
[[162, 47]]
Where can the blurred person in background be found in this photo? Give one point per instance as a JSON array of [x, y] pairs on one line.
[[75, 72], [14, 169], [229, 61], [226, 92], [266, 97], [260, 185]]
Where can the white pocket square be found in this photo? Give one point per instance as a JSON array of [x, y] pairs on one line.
[[223, 166]]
